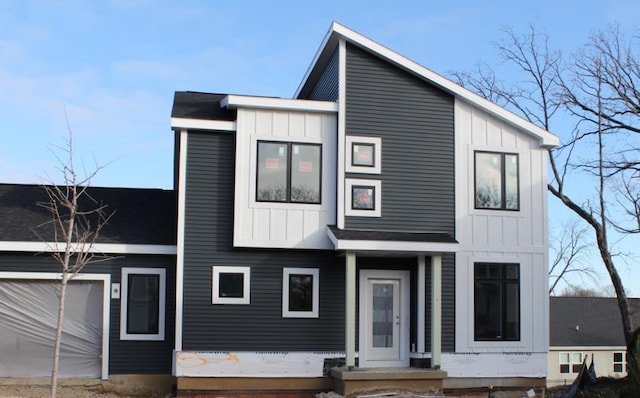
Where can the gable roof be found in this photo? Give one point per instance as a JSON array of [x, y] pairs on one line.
[[588, 321], [338, 32], [142, 216]]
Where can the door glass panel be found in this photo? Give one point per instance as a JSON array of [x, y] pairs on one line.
[[382, 315]]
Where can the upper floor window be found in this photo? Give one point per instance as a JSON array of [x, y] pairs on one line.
[[496, 181], [497, 302], [289, 172]]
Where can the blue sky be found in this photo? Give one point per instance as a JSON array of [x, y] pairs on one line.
[[111, 67]]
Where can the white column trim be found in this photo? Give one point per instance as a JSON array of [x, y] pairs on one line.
[[182, 183], [350, 309], [436, 311], [342, 95], [421, 303]]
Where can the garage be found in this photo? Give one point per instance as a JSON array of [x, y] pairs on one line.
[[28, 318]]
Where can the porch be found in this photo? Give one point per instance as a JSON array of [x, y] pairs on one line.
[[348, 382]]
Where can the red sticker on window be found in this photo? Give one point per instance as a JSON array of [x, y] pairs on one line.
[[363, 197], [271, 163], [363, 156], [305, 167]]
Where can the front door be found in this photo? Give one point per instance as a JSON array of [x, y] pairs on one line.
[[384, 318]]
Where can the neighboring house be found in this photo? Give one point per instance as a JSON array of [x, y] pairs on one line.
[[587, 327], [99, 338], [384, 217]]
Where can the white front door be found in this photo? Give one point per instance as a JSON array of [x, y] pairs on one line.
[[384, 318]]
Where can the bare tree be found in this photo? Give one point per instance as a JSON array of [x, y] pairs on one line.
[[567, 254], [600, 91], [76, 220]]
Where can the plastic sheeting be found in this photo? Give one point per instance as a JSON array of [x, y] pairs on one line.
[[28, 318]]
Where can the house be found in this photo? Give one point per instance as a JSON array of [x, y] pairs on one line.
[[108, 330], [385, 227], [383, 218], [587, 327]]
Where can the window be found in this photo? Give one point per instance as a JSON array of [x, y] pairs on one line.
[[497, 302], [496, 181], [300, 292], [231, 285], [363, 198], [142, 310], [620, 362], [288, 172], [363, 154], [570, 362]]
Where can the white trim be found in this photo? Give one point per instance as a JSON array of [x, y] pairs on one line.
[[182, 186], [180, 123], [124, 301], [377, 200], [113, 248], [546, 138], [245, 101], [350, 309], [314, 313], [246, 285], [436, 311], [106, 303], [421, 305], [377, 154], [342, 95], [587, 348], [391, 246]]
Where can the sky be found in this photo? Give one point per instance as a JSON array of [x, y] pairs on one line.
[[107, 70]]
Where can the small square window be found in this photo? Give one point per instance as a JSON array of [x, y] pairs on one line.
[[363, 197], [231, 285], [363, 154], [300, 292]]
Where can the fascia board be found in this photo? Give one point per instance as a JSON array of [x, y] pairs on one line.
[[235, 101], [179, 123], [111, 248]]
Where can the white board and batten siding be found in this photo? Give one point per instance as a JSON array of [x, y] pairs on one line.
[[283, 225], [502, 237]]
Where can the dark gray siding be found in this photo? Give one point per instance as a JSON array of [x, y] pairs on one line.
[[326, 88], [208, 241], [415, 121], [448, 304], [125, 357]]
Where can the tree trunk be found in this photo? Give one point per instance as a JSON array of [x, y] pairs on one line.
[[56, 349]]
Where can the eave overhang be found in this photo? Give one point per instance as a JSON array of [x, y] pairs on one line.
[[390, 242]]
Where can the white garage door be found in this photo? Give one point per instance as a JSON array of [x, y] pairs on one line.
[[28, 318]]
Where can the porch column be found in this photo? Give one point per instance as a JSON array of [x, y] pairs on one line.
[[436, 310], [421, 302], [350, 310]]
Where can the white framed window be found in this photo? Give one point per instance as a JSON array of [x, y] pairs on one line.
[[497, 185], [364, 154], [363, 198], [620, 362], [570, 362], [231, 285], [142, 304], [300, 292], [289, 172]]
